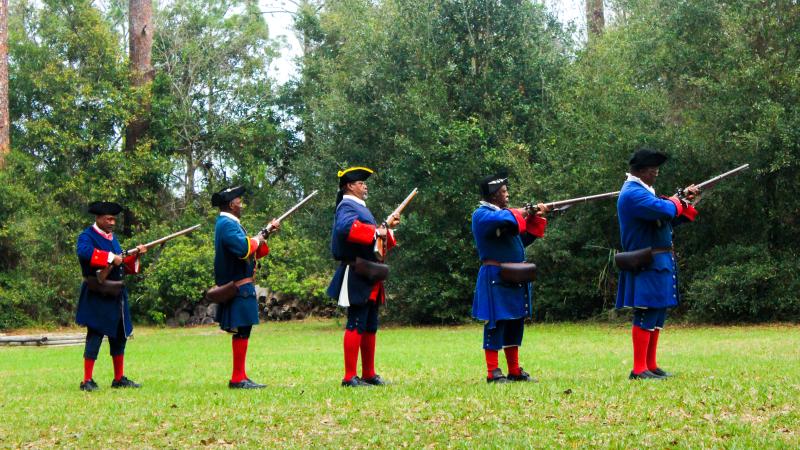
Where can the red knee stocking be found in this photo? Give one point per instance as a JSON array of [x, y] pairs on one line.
[[119, 366], [491, 361], [512, 358], [239, 359], [88, 368], [352, 342], [651, 350], [641, 341], [368, 355]]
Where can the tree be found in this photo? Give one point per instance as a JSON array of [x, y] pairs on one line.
[[595, 19], [212, 94], [141, 43], [5, 123], [434, 94]]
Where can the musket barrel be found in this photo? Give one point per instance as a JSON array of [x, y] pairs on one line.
[[163, 239], [724, 175], [268, 229], [297, 206], [402, 206], [586, 199]]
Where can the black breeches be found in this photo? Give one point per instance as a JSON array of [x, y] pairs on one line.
[[243, 332], [363, 318], [94, 338]]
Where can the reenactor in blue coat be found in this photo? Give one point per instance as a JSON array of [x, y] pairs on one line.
[[354, 233], [103, 307], [235, 256], [646, 221], [501, 235]]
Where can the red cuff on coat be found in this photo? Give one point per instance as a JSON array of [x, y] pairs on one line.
[[252, 246], [536, 225], [262, 250], [678, 205], [131, 263], [390, 240], [99, 259], [690, 213], [521, 225], [361, 233]]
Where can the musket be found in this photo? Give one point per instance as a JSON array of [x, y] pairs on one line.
[[102, 274], [267, 230], [564, 204], [710, 183], [380, 248]]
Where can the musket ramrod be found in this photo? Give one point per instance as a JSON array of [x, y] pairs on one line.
[[564, 204], [266, 231], [102, 274], [708, 184]]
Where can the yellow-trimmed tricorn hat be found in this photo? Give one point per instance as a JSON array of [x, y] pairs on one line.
[[354, 174]]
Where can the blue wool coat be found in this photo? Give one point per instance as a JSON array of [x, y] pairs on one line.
[[358, 287], [99, 312], [646, 220], [234, 260], [498, 236]]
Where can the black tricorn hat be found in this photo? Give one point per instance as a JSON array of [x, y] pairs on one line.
[[647, 157], [104, 208], [224, 196], [354, 174], [493, 183]]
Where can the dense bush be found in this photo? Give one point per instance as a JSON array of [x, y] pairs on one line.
[[433, 94], [745, 284]]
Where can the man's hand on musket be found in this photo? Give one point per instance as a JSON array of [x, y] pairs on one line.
[[117, 260], [275, 225], [691, 192], [540, 209], [142, 249], [394, 221]]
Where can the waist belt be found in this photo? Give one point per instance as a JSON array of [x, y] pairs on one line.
[[371, 270], [225, 293], [637, 260], [110, 288], [244, 281], [514, 272]]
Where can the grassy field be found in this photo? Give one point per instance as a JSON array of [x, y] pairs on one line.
[[735, 387]]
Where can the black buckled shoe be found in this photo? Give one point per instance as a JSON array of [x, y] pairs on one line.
[[374, 381], [646, 375], [497, 377], [661, 373], [523, 376], [356, 382], [247, 383], [89, 386], [124, 382]]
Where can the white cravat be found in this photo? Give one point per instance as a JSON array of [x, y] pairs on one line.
[[491, 205], [636, 179], [230, 216], [355, 199]]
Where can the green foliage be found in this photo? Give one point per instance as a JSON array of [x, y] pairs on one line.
[[293, 266], [432, 94], [746, 284], [175, 277]]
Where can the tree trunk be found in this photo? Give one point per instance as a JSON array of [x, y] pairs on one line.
[[5, 123], [141, 45], [595, 19]]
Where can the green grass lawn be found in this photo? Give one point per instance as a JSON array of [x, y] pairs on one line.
[[735, 387]]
